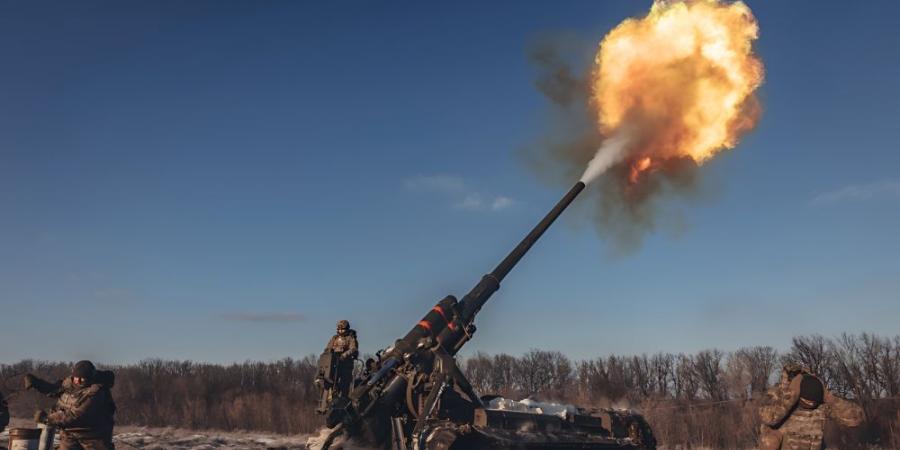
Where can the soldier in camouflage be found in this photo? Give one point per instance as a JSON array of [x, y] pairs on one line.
[[794, 412], [84, 410], [346, 347]]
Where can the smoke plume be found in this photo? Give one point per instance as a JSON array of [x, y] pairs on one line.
[[664, 94], [611, 152]]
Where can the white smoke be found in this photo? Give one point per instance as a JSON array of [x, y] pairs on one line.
[[611, 152]]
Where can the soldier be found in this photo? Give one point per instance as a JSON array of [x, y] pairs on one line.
[[794, 412], [84, 409], [345, 347]]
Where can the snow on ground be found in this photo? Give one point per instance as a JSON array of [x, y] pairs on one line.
[[532, 406], [317, 440], [174, 439], [129, 438]]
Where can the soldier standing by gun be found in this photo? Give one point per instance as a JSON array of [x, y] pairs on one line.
[[336, 363], [84, 409], [794, 412]]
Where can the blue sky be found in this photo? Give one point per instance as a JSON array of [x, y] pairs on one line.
[[222, 181]]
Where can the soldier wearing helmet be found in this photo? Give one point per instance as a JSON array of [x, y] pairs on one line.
[[84, 410], [794, 411], [344, 341], [345, 346]]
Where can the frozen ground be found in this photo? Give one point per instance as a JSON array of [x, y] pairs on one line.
[[128, 438], [167, 438]]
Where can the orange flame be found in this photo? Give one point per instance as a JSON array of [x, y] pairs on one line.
[[639, 167], [682, 78]]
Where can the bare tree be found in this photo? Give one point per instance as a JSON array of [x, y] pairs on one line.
[[812, 352], [686, 383], [543, 372], [760, 363], [891, 367], [708, 369], [662, 371], [478, 370], [639, 367], [618, 377], [503, 379], [592, 381]]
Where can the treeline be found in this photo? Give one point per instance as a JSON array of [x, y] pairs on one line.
[[710, 399], [706, 399], [273, 396]]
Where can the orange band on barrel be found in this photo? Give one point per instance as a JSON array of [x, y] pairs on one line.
[[424, 324], [441, 312]]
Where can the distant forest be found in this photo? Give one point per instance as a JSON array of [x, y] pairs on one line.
[[707, 399]]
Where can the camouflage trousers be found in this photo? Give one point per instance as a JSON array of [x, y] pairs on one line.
[[72, 443]]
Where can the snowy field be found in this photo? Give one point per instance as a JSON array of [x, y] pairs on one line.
[[127, 438], [167, 438]]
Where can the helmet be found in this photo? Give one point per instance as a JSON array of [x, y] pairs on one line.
[[84, 369], [343, 325], [793, 369]]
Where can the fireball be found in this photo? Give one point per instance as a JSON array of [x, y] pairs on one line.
[[681, 80]]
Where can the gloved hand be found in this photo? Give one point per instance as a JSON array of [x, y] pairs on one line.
[[29, 381], [40, 416], [347, 355], [793, 394]]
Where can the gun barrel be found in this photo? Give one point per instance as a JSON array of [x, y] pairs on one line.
[[450, 322], [480, 294], [517, 253]]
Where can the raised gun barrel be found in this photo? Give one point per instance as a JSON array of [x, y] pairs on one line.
[[478, 296], [420, 399], [440, 334], [450, 322]]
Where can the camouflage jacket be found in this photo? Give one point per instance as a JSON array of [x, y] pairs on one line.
[[788, 426], [84, 412], [345, 345]]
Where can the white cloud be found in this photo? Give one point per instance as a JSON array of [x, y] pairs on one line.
[[859, 193], [459, 194], [471, 202], [502, 202]]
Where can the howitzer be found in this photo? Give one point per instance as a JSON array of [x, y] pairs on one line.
[[418, 398]]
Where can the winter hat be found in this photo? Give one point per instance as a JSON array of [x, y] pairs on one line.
[[84, 369]]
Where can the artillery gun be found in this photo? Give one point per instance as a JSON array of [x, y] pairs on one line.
[[419, 399]]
